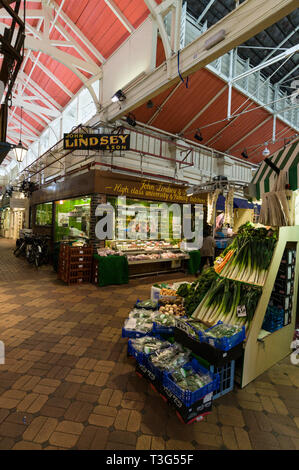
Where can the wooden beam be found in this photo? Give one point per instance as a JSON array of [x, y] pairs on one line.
[[246, 21]]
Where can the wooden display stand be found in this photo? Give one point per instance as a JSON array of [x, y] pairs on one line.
[[260, 355]]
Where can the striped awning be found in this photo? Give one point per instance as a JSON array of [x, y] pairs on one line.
[[286, 159]]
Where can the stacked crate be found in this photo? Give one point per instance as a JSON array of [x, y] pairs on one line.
[[75, 264], [282, 294], [95, 272]]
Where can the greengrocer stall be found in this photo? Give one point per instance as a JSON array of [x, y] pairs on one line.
[[241, 312]]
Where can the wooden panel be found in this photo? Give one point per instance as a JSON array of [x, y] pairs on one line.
[[261, 355], [81, 185]]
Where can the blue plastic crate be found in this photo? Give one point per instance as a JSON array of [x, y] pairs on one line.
[[224, 343], [186, 396], [134, 334], [272, 328], [158, 373], [227, 376], [139, 355], [163, 330]]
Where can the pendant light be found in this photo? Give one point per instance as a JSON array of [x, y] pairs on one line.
[[20, 150]]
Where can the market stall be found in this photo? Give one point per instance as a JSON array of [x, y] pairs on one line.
[[239, 312], [13, 216], [147, 220]]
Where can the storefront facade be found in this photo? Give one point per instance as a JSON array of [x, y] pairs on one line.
[[67, 209]]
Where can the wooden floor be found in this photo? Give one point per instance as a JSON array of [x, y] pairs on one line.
[[67, 382]]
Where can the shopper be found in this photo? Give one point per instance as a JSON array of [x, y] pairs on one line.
[[207, 250]]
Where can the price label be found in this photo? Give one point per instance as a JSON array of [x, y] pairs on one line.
[[241, 311], [131, 324], [208, 397]]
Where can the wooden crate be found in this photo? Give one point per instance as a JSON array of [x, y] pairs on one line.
[[75, 264]]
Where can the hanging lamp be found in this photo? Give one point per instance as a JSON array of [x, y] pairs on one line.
[[20, 150]]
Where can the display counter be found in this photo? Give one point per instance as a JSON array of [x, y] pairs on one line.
[[149, 256]]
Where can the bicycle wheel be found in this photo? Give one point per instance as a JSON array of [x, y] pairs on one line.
[[19, 250], [36, 260]]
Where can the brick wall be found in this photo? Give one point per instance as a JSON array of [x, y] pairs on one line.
[[96, 199]]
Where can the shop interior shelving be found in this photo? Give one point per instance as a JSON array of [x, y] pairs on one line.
[[261, 354], [161, 260]]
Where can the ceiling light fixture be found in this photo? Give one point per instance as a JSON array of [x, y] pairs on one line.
[[118, 96], [190, 192], [266, 151], [20, 150], [198, 135], [131, 120], [244, 154], [150, 104]]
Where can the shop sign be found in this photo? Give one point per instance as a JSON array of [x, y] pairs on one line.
[[109, 142], [150, 190]]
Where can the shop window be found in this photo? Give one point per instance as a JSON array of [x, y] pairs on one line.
[[72, 219], [164, 225], [43, 215]]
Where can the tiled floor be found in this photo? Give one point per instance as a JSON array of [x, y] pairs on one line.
[[68, 384]]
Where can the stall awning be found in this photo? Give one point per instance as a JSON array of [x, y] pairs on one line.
[[285, 159], [238, 203]]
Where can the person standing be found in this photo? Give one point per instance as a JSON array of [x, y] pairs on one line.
[[207, 250]]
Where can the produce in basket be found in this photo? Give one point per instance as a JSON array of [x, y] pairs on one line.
[[149, 344], [141, 313], [148, 304], [171, 358], [188, 379], [222, 330], [197, 325], [168, 292], [164, 319], [222, 300], [173, 309], [142, 325]]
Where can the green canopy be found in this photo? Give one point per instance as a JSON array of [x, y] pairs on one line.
[[285, 159]]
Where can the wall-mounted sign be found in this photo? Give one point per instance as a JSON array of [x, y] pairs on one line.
[[109, 142]]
